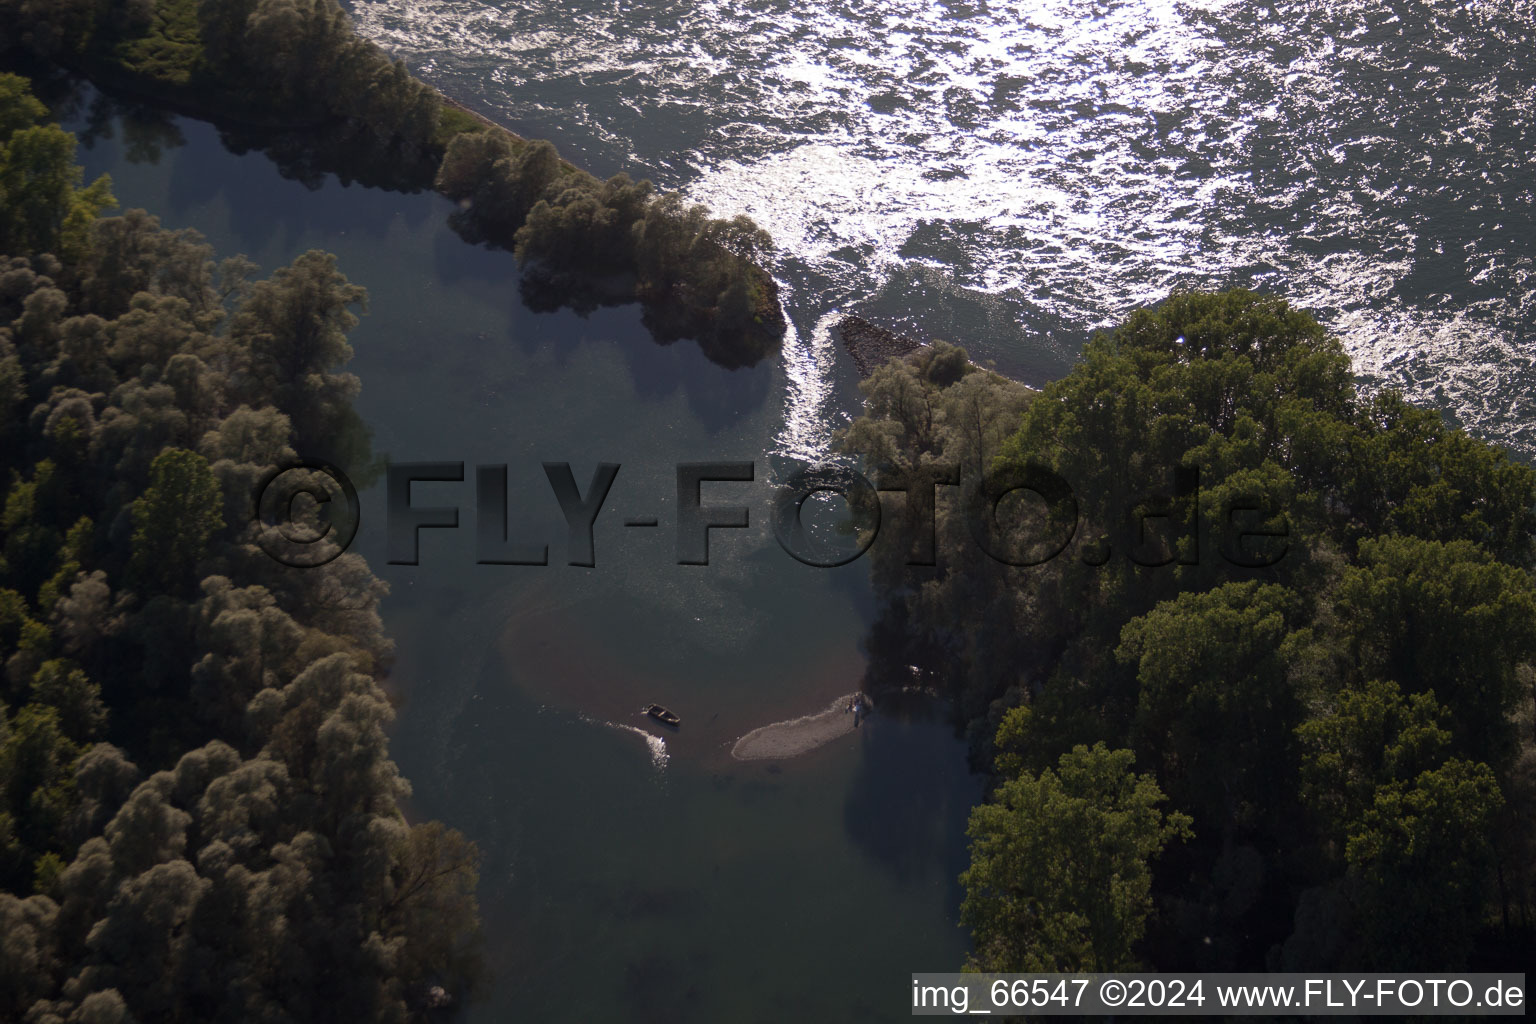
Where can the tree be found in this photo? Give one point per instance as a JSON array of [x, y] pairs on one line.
[[1060, 876], [174, 520], [1215, 710], [28, 952], [1419, 858], [432, 902], [133, 254], [42, 207], [32, 541], [18, 107], [666, 241], [1372, 735], [1411, 473], [141, 947], [981, 410], [228, 889], [222, 27], [84, 615], [1447, 618], [48, 27], [296, 324], [65, 688], [36, 790], [298, 43], [24, 643], [1403, 819], [1302, 711], [327, 727], [291, 335], [151, 332], [469, 160]]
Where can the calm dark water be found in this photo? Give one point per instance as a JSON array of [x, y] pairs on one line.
[[622, 880], [1010, 174]]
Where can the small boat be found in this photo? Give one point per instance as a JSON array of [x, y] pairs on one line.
[[662, 715]]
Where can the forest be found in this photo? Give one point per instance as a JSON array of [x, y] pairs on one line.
[[1315, 755], [294, 78], [199, 817]]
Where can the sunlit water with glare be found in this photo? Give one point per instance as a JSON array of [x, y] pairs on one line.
[[1012, 175]]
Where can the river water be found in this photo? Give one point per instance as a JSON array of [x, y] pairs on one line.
[[1009, 176], [629, 873]]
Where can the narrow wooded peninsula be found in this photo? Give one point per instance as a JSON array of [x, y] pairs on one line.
[[294, 78], [199, 818]]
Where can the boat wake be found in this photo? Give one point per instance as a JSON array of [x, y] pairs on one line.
[[808, 425], [655, 745]]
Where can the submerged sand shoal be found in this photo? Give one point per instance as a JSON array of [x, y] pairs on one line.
[[798, 735]]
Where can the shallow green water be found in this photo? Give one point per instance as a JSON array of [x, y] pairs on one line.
[[619, 881]]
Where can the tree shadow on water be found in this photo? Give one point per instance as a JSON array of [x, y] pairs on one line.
[[147, 132], [912, 794]]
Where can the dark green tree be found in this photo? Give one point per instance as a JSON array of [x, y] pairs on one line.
[[1060, 876], [174, 520], [1419, 859], [1446, 618], [1370, 735], [1216, 709], [42, 206]]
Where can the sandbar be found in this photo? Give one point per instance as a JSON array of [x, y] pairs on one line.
[[797, 736]]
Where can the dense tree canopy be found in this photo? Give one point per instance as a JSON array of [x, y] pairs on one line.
[[1060, 876], [1304, 610], [199, 819]]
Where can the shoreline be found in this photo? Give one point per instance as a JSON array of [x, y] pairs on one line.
[[483, 120], [871, 345], [710, 289]]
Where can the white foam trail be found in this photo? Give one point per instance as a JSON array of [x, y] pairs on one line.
[[656, 745], [808, 365]]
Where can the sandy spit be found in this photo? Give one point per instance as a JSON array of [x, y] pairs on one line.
[[797, 735]]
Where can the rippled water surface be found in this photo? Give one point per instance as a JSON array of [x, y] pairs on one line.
[[1014, 174]]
